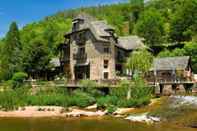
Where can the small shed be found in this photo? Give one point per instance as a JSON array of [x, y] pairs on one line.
[[169, 69]]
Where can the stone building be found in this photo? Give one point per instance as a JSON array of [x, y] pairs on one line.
[[92, 50], [172, 74], [171, 69]]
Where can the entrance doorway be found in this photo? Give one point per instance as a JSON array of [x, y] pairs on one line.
[[82, 72]]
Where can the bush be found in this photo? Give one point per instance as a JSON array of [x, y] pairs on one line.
[[104, 102], [48, 96], [90, 87], [122, 90], [12, 99], [47, 100], [111, 109], [81, 99], [133, 102], [18, 79]]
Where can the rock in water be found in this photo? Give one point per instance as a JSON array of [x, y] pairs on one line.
[[143, 118]]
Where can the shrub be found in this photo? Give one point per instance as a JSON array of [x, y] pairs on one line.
[[48, 96], [90, 87], [18, 78], [111, 109], [12, 99], [122, 90], [47, 100], [104, 102], [81, 99]]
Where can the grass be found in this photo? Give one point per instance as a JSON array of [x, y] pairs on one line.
[[12, 98]]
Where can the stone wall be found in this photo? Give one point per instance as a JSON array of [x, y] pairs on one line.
[[95, 57]]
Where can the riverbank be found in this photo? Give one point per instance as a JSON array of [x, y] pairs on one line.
[[49, 111], [57, 111]]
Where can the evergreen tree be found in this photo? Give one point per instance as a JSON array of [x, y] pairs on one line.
[[36, 57], [11, 53]]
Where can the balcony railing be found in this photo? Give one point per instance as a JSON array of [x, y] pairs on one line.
[[80, 56]]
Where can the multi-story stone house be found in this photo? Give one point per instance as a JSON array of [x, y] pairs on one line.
[[92, 50]]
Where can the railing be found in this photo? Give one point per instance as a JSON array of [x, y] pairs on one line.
[[172, 81], [79, 56], [100, 83]]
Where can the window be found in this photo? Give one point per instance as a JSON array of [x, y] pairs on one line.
[[106, 75], [74, 26], [106, 63], [81, 50], [106, 50]]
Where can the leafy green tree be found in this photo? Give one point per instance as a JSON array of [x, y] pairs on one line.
[[49, 36], [137, 7], [184, 21], [190, 49], [36, 57], [151, 27], [139, 61], [11, 53], [168, 53], [18, 79]]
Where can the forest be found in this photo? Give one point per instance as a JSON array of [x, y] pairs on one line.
[[169, 28]]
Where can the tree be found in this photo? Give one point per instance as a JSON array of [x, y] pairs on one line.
[[190, 49], [175, 52], [139, 61], [137, 7], [184, 21], [11, 53], [36, 57], [151, 27], [49, 36]]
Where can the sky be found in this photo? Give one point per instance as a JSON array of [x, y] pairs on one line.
[[27, 11]]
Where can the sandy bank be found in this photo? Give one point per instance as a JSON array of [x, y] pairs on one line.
[[55, 111], [49, 111]]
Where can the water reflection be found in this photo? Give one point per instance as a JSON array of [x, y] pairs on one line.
[[94, 124]]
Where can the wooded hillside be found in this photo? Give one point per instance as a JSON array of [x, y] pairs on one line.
[[161, 22]]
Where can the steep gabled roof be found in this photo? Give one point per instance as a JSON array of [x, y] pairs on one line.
[[171, 63], [84, 16], [130, 42], [100, 29]]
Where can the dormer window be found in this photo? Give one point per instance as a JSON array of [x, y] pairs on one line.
[[80, 38], [75, 25], [82, 50]]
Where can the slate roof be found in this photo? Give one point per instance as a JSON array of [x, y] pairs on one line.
[[130, 42], [100, 29], [55, 62], [84, 16], [171, 63]]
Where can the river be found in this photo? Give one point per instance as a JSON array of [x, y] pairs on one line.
[[83, 124], [106, 123]]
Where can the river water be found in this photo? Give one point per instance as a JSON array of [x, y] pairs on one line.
[[106, 123], [93, 124]]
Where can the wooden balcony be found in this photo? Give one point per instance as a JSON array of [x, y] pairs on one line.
[[80, 56]]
